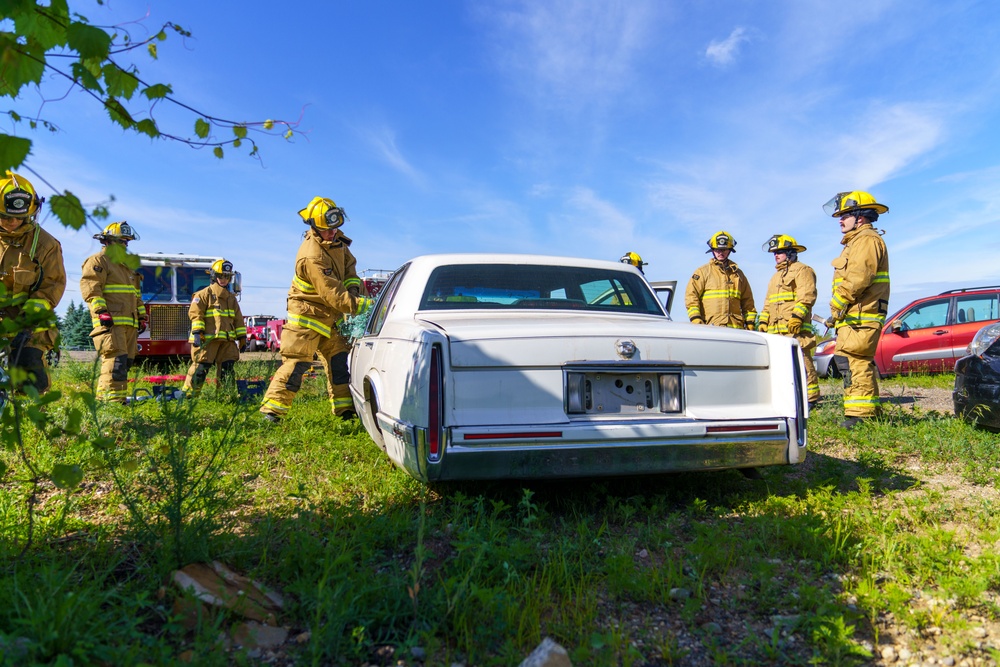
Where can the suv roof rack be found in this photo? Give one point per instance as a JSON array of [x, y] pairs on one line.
[[970, 289]]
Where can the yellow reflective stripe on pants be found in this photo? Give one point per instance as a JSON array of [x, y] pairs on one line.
[[275, 407]]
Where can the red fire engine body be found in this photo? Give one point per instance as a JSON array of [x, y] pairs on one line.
[[168, 283]]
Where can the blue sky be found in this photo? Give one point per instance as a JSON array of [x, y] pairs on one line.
[[560, 127]]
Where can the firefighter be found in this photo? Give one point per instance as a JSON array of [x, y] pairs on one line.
[[634, 259], [324, 289], [860, 300], [718, 292], [112, 291], [791, 295], [217, 331], [33, 279]]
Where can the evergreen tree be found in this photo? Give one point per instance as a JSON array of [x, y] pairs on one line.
[[75, 328]]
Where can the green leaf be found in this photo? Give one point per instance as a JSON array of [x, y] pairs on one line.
[[102, 443], [157, 91], [13, 151], [268, 124], [68, 209], [148, 127], [217, 152], [201, 128], [18, 69], [66, 476], [237, 143], [240, 131], [73, 421], [88, 41], [161, 36], [120, 255], [151, 47], [86, 78], [41, 28], [118, 113], [120, 83]]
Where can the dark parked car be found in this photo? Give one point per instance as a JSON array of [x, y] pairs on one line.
[[977, 380]]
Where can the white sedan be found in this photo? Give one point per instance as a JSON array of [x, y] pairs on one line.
[[488, 366]]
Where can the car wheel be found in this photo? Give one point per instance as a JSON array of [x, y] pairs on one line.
[[831, 371]]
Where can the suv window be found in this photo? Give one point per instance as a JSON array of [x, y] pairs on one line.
[[977, 308], [926, 315]]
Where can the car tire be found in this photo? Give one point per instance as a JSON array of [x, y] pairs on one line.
[[831, 371]]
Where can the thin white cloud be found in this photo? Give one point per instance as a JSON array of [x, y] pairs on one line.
[[571, 51], [383, 140], [723, 53]]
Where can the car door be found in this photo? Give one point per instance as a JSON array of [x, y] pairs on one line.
[[665, 292], [972, 313], [918, 340]]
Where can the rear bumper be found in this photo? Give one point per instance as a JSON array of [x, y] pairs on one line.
[[572, 450]]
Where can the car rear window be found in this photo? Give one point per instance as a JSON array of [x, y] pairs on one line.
[[976, 308], [493, 286]]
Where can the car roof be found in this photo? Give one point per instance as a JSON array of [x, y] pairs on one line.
[[445, 259]]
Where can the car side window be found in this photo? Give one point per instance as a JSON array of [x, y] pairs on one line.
[[927, 315], [384, 301], [977, 308]]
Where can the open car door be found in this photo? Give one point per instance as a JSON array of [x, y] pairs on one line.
[[665, 292]]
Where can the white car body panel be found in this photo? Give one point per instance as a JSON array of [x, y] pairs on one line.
[[503, 387]]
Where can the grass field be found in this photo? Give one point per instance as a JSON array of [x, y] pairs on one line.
[[883, 548]]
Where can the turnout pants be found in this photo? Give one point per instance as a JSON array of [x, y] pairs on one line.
[[856, 345], [808, 342], [27, 354], [298, 345], [219, 353], [117, 348]]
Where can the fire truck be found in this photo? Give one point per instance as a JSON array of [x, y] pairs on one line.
[[256, 331], [168, 283], [375, 280]]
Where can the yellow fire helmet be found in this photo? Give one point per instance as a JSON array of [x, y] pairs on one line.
[[782, 243], [323, 213], [118, 231], [633, 259], [19, 197], [721, 241], [221, 268], [849, 202]]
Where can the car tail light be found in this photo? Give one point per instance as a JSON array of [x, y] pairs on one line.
[[577, 401], [435, 405], [670, 392]]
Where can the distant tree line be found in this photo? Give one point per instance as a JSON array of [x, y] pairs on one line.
[[74, 328]]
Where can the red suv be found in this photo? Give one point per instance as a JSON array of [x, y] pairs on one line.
[[931, 334]]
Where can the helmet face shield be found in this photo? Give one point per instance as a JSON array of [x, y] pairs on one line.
[[334, 217], [848, 203]]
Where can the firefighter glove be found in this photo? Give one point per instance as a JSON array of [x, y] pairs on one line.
[[762, 327], [794, 325], [142, 325], [750, 325], [105, 319], [830, 322], [354, 291], [196, 339], [242, 342], [697, 320]]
